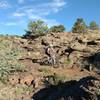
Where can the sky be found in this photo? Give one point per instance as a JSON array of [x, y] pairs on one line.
[[16, 14]]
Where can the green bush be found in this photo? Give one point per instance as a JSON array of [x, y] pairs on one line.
[[56, 29], [36, 29], [93, 25], [79, 26]]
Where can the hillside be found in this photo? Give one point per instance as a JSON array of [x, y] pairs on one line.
[[26, 73]]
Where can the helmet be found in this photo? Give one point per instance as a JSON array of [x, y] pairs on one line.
[[50, 45]]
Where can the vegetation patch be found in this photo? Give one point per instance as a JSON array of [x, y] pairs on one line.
[[9, 55], [55, 79]]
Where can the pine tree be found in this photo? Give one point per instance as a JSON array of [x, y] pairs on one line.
[[79, 26], [36, 29]]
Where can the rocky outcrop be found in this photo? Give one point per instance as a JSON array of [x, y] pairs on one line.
[[69, 48]]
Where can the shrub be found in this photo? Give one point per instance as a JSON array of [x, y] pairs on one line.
[[9, 59], [79, 26], [93, 25], [36, 29], [56, 29], [54, 79]]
